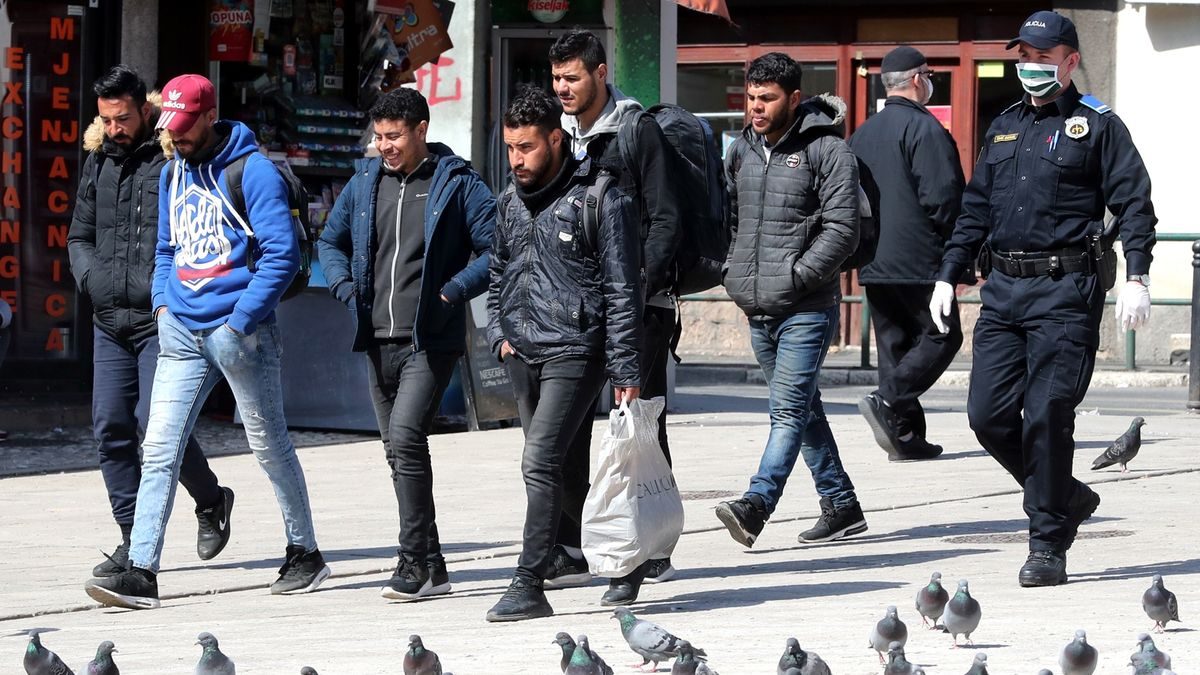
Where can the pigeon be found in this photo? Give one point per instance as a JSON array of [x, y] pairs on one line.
[[686, 662], [931, 600], [308, 670], [103, 663], [1044, 671], [1160, 604], [962, 613], [979, 665], [581, 662], [918, 670], [897, 664], [1147, 651], [1124, 449], [212, 661], [887, 630], [648, 640], [703, 669], [796, 660], [567, 644], [420, 661], [42, 661], [1078, 657]]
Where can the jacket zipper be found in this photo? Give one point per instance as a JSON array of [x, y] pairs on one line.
[[762, 200]]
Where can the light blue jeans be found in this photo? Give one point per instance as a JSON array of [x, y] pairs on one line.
[[791, 351], [190, 363]]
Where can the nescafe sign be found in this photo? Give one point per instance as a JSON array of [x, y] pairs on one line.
[[549, 11]]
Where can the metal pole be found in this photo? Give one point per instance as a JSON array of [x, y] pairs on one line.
[[1130, 350], [1194, 351], [866, 331]]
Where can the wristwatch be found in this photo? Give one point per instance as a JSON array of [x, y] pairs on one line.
[[1143, 279]]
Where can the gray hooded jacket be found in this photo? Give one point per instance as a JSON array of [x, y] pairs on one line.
[[795, 214]]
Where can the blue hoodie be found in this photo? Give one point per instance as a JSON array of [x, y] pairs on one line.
[[200, 272]]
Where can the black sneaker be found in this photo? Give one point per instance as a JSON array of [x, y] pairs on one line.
[[624, 590], [658, 571], [134, 588], [743, 518], [301, 572], [568, 571], [1043, 568], [113, 564], [1083, 504], [882, 421], [213, 532], [524, 599], [414, 579], [915, 449], [835, 523]]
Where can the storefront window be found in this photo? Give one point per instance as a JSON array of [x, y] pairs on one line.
[[41, 67], [997, 88]]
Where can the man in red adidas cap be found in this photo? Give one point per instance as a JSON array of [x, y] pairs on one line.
[[220, 271]]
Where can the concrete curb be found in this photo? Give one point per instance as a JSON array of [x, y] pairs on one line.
[[703, 374]]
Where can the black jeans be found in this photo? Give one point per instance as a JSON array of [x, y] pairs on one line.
[[554, 399], [124, 375], [1034, 351], [406, 389], [913, 354]]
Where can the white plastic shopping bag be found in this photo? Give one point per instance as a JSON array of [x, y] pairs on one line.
[[633, 512]]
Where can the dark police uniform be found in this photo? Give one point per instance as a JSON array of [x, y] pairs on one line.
[[1040, 189]]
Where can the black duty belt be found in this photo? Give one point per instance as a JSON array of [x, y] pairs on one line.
[[1047, 263]]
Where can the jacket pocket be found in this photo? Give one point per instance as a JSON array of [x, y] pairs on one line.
[[570, 311], [568, 232], [999, 159]]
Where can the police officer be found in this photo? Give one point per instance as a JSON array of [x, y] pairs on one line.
[[1050, 166]]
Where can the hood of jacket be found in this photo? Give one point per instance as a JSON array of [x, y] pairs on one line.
[[240, 141], [824, 114], [94, 138], [618, 107]]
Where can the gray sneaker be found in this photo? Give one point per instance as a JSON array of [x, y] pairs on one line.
[[301, 572]]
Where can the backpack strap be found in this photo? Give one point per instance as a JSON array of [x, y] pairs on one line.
[[593, 197], [233, 181]]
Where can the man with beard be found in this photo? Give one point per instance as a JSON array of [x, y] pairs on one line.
[[594, 111], [794, 200], [564, 310], [216, 318], [111, 244]]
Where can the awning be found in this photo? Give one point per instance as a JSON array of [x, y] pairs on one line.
[[708, 7]]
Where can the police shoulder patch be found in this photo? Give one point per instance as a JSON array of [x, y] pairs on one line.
[[1095, 104]]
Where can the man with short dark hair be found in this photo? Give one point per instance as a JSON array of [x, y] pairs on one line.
[[564, 309], [794, 204], [1033, 215], [111, 243], [216, 319], [914, 161], [397, 251], [593, 113]]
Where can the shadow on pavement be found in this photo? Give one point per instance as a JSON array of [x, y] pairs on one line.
[[1146, 571], [842, 564], [757, 595]]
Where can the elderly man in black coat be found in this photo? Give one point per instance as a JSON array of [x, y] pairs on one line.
[[914, 161]]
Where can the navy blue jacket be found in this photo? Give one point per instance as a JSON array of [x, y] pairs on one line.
[[460, 218]]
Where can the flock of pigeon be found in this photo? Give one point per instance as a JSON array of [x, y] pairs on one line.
[[959, 615]]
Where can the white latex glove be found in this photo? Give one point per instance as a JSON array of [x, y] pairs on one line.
[[940, 305], [1133, 306]]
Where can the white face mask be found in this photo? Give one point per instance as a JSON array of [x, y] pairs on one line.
[[1039, 79], [928, 90]]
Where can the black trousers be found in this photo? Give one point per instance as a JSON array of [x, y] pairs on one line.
[[554, 399], [913, 354], [123, 377], [1033, 355], [407, 388]]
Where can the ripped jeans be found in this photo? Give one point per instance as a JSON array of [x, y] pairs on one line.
[[190, 363]]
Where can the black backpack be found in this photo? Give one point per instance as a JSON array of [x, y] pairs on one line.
[[301, 225], [704, 211]]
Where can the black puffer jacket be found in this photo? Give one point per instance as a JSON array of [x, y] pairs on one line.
[[795, 216], [114, 231], [914, 162], [550, 294]]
